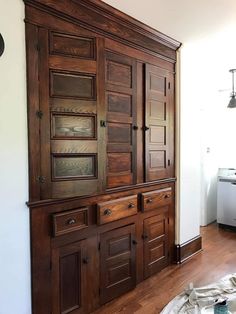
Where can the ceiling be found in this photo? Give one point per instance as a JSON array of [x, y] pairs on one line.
[[184, 20]]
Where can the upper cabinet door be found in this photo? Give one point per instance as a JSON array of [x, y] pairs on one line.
[[72, 161], [159, 123], [121, 98]]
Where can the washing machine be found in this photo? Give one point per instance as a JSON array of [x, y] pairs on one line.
[[226, 197]]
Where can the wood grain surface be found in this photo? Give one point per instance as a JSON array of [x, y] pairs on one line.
[[215, 261]]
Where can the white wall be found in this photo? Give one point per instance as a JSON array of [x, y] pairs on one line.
[[14, 223]]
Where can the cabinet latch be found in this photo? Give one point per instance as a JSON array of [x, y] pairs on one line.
[[39, 114], [41, 179], [103, 124]]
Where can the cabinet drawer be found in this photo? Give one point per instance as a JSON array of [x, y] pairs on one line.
[[70, 221], [154, 199], [117, 209]]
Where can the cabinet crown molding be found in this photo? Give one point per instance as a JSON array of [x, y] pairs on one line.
[[110, 22]]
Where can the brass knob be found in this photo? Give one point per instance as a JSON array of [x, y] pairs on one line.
[[71, 221], [149, 200], [131, 205], [85, 260], [107, 212], [144, 236]]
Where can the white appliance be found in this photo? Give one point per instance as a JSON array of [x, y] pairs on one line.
[[226, 197]]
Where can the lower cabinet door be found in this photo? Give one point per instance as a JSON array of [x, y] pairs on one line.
[[69, 279], [117, 262], [156, 255]]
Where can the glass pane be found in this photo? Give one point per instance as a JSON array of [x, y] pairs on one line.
[[74, 166], [73, 126]]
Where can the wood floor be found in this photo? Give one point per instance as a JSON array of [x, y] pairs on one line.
[[217, 259]]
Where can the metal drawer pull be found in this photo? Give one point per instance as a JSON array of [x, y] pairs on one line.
[[167, 196], [71, 221], [149, 200], [107, 212], [131, 205]]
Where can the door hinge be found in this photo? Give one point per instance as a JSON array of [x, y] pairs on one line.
[[168, 162], [41, 179], [169, 85], [39, 114], [99, 246]]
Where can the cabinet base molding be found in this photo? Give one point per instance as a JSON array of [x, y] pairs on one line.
[[188, 249]]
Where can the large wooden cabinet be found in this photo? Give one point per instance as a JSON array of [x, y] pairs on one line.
[[101, 153]]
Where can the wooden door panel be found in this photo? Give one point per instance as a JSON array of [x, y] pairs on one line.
[[156, 255], [70, 45], [119, 73], [117, 260], [68, 279], [121, 89], [157, 109], [119, 103], [71, 160], [159, 123], [73, 85]]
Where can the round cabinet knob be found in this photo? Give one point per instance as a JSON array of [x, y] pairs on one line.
[[144, 236], [85, 260], [135, 127], [131, 205], [134, 242], [107, 212], [149, 200], [167, 196], [71, 221]]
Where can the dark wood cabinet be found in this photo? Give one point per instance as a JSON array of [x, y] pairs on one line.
[[159, 111], [69, 278], [101, 153], [121, 94], [117, 262], [71, 159], [155, 235]]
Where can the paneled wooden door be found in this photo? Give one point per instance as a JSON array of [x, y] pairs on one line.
[[117, 262], [155, 235], [159, 124], [121, 95], [71, 106], [69, 290]]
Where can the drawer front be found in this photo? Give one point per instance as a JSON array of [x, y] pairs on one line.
[[70, 221], [155, 199], [117, 209]]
